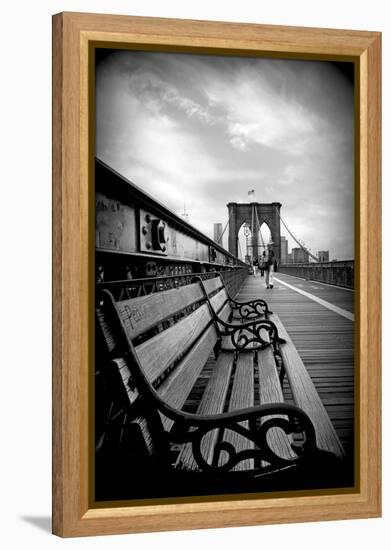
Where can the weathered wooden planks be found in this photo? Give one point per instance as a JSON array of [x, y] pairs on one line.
[[140, 314], [158, 353], [323, 339], [242, 396], [270, 392], [212, 402], [212, 284], [219, 300], [304, 393], [175, 389]]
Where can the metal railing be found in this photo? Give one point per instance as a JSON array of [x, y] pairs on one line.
[[124, 289], [339, 273], [234, 278]]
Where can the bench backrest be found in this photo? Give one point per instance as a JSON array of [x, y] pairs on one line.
[[172, 332], [220, 302]]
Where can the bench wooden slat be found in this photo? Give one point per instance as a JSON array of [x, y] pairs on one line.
[[270, 392], [176, 388], [212, 402], [211, 285], [158, 353], [107, 329], [224, 315], [140, 314], [219, 300], [121, 365], [143, 423], [242, 396], [305, 394]]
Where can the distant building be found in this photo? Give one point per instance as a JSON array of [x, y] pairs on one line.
[[284, 250], [217, 232], [299, 256], [289, 259], [323, 256]]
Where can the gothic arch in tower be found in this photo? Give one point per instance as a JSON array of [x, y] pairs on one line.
[[254, 214]]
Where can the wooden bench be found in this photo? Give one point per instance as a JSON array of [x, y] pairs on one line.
[[175, 348], [242, 311]]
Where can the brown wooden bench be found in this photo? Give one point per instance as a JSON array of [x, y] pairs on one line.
[[205, 395]]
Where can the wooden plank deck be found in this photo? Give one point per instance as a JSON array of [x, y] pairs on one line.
[[323, 338]]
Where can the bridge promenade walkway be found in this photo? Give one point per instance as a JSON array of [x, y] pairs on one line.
[[320, 321]]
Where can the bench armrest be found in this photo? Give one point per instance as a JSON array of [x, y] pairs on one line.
[[251, 308], [252, 335], [253, 424]]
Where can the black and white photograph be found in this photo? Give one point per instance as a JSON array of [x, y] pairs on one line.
[[224, 275]]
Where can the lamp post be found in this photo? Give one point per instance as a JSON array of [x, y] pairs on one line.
[[247, 233]]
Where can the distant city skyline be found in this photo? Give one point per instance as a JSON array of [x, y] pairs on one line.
[[287, 245], [206, 130]]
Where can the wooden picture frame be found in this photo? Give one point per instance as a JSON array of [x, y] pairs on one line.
[[73, 36]]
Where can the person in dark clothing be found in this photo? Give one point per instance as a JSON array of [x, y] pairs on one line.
[[263, 263], [270, 268], [255, 266]]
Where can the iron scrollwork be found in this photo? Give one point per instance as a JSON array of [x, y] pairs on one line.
[[252, 335], [289, 418], [252, 309]]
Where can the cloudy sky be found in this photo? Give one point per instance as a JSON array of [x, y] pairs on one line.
[[204, 130]]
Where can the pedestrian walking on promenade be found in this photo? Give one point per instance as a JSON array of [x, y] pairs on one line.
[[270, 269], [262, 265]]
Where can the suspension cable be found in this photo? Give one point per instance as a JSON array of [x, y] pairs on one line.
[[260, 232], [295, 239], [263, 243], [224, 230]]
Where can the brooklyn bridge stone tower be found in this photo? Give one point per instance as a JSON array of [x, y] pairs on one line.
[[254, 214]]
